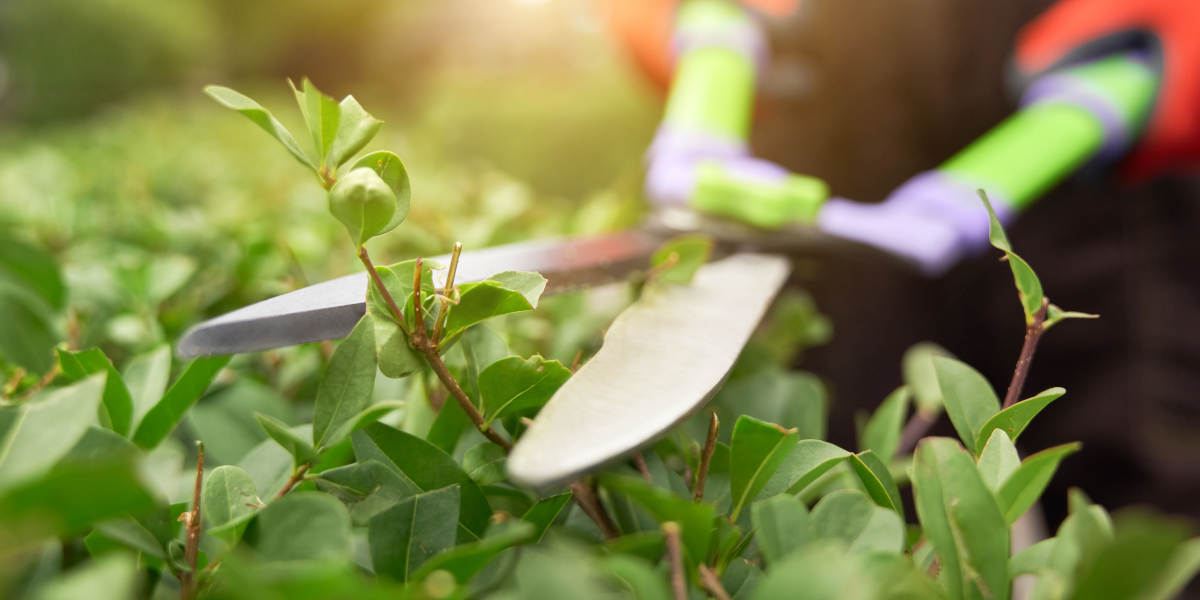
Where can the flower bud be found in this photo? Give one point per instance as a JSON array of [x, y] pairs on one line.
[[363, 202]]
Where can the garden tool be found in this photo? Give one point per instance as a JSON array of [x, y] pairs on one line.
[[667, 354]]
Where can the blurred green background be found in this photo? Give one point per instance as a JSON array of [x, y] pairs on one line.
[[516, 118]]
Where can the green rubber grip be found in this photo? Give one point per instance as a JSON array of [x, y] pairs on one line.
[[1031, 151]]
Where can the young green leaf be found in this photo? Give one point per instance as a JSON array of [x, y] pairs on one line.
[[164, 416], [921, 378], [1032, 559], [147, 376], [321, 115], [1014, 419], [517, 386], [1021, 489], [781, 526], [998, 460], [33, 271], [882, 432], [355, 129], [346, 388], [467, 560], [427, 467], [38, 433], [968, 397], [501, 294], [544, 513], [695, 520], [363, 203], [807, 461], [261, 117], [1135, 561], [1055, 315], [27, 333], [1029, 288], [961, 520], [118, 403], [852, 518], [678, 259], [391, 170], [395, 356], [1177, 573], [306, 528], [485, 463], [404, 537], [877, 480], [757, 449], [230, 498], [302, 452]]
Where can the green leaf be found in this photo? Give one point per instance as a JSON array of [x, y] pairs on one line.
[[147, 376], [407, 535], [100, 444], [395, 356], [515, 386], [36, 434], [27, 336], [302, 452], [302, 527], [467, 560], [1014, 419], [261, 117], [391, 169], [111, 577], [882, 432], [877, 480], [33, 271], [229, 494], [164, 416], [998, 460], [1080, 538], [485, 463], [757, 449], [1055, 315], [1029, 289], [71, 497], [781, 526], [427, 467], [355, 129], [968, 397], [1136, 559], [544, 513], [346, 388], [962, 521], [503, 293], [852, 518], [1021, 489], [786, 398], [367, 488], [118, 403], [131, 533], [321, 115], [1031, 559], [807, 461], [921, 378], [819, 571], [1177, 573], [678, 259], [637, 576], [695, 520]]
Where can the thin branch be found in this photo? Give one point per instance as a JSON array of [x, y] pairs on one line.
[[383, 291], [420, 341], [712, 583], [297, 477], [710, 444], [640, 462], [587, 500], [191, 550], [1033, 333], [49, 376], [675, 554], [447, 290], [916, 428]]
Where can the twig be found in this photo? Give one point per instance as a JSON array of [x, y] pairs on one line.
[[712, 583], [587, 500], [575, 362], [420, 341], [916, 428], [55, 369], [640, 462], [675, 554], [447, 290], [297, 477], [1033, 333], [383, 291], [191, 550], [710, 444]]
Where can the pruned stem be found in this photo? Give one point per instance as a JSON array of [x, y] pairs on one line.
[[710, 444], [423, 344], [640, 462], [585, 496], [383, 291], [1033, 333], [916, 428], [191, 549], [670, 530], [712, 583], [447, 290], [297, 477]]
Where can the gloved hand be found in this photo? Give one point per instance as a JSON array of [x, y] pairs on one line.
[[1075, 30]]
